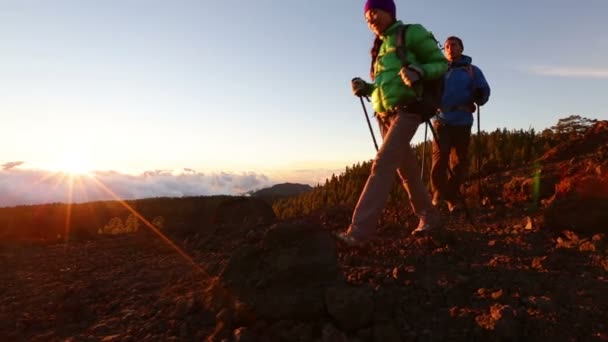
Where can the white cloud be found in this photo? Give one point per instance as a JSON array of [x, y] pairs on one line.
[[10, 165], [20, 184], [30, 186], [580, 72]]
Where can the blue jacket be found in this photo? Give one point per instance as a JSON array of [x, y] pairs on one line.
[[464, 85]]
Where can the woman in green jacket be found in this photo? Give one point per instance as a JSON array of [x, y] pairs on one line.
[[394, 90]]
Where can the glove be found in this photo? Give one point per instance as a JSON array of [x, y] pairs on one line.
[[411, 74], [359, 86]]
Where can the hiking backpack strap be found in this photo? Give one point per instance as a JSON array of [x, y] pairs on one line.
[[470, 71], [471, 76], [400, 47]]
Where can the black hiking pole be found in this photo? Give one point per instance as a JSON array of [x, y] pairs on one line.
[[426, 127], [369, 124], [479, 155], [451, 172]]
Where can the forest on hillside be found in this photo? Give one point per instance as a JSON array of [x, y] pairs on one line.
[[61, 221], [495, 151]]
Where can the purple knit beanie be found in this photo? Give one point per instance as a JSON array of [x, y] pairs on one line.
[[385, 5]]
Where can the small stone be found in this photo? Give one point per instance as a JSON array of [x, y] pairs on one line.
[[537, 262], [497, 294], [485, 202], [587, 247], [529, 223], [244, 334]]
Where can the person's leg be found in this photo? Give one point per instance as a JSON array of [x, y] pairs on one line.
[[461, 137], [441, 155], [409, 170], [379, 183]]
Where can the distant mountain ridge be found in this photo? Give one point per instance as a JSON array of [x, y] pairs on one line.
[[283, 189]]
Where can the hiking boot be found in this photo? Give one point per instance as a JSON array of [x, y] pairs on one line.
[[349, 239], [428, 222]]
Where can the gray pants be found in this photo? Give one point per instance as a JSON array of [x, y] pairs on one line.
[[394, 154]]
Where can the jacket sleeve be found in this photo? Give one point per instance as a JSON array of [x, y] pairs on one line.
[[481, 86], [370, 88], [424, 46]]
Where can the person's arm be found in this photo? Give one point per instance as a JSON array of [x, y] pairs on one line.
[[370, 88], [481, 88]]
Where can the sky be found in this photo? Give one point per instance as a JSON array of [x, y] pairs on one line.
[[204, 97]]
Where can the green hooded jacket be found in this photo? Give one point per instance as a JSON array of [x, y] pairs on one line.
[[388, 89]]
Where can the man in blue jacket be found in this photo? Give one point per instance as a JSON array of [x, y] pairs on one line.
[[465, 87]]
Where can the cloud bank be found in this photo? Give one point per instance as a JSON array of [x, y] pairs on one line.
[[580, 72], [21, 185], [10, 165], [29, 186]]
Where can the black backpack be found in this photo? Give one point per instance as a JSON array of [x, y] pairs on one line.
[[429, 103]]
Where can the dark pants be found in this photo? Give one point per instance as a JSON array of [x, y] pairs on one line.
[[451, 151]]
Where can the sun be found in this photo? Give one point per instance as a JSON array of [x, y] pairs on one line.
[[74, 166]]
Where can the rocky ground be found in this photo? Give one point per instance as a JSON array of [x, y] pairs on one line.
[[499, 280], [516, 274]]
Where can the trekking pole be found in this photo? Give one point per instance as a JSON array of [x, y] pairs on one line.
[[451, 172], [369, 124], [479, 154], [426, 127]]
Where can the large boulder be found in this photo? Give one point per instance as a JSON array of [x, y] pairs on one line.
[[580, 202], [285, 276]]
